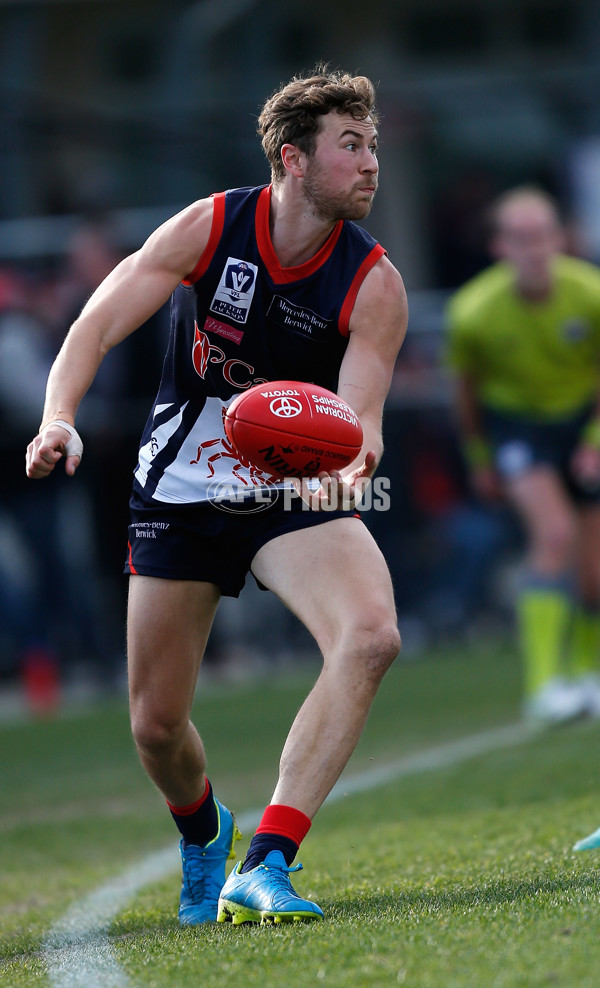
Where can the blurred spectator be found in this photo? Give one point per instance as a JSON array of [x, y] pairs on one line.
[[48, 604], [62, 596], [111, 418], [525, 346], [458, 232], [443, 547], [465, 540]]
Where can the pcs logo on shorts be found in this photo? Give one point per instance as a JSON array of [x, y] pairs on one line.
[[235, 290]]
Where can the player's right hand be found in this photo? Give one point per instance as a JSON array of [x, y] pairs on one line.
[[48, 447], [338, 489]]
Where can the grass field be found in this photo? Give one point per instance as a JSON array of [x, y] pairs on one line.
[[461, 876]]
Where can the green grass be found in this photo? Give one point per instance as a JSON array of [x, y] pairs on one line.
[[462, 877]]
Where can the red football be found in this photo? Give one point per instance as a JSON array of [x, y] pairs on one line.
[[293, 429]]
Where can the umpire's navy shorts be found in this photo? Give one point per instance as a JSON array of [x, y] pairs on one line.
[[521, 443], [213, 542]]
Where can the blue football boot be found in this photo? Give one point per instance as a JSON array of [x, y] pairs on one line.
[[204, 871], [588, 843], [264, 895]]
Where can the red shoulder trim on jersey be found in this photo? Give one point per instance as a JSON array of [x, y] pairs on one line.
[[282, 276], [216, 230], [348, 304], [132, 568]]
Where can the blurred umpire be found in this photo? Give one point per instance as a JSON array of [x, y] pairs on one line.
[[524, 343]]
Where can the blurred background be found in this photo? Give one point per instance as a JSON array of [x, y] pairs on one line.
[[114, 115]]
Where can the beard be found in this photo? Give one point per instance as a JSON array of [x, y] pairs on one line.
[[333, 206]]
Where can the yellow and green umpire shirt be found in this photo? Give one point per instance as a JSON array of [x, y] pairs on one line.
[[539, 359]]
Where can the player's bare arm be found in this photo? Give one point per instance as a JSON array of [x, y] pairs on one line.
[[130, 295], [468, 409], [484, 479], [586, 457], [377, 330]]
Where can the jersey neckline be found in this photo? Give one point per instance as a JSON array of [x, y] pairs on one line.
[[279, 274]]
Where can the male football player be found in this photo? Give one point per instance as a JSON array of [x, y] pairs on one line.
[[235, 264]]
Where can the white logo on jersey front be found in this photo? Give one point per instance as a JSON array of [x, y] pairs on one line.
[[235, 290]]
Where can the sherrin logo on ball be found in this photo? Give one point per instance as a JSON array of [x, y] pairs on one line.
[[293, 429]]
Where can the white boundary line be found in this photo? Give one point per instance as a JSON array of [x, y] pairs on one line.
[[77, 949]]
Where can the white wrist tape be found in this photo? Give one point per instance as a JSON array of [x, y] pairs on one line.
[[74, 446]]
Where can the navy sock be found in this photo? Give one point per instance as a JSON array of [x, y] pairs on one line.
[[198, 823], [261, 844]]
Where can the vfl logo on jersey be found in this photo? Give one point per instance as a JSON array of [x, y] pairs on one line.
[[235, 290]]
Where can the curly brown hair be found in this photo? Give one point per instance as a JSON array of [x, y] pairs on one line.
[[291, 115]]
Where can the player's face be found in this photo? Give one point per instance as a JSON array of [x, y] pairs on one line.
[[340, 179], [529, 237]]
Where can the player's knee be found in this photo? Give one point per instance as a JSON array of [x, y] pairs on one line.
[[378, 644], [156, 731], [387, 645], [558, 543]]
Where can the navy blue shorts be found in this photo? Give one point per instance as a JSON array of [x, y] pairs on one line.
[[520, 443], [212, 542]]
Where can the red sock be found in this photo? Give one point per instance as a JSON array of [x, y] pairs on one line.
[[197, 823], [285, 820], [188, 810], [282, 828]]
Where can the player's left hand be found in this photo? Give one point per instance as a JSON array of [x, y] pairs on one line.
[[585, 466], [340, 489], [55, 441]]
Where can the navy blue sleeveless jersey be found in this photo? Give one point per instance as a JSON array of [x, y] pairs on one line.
[[241, 319]]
